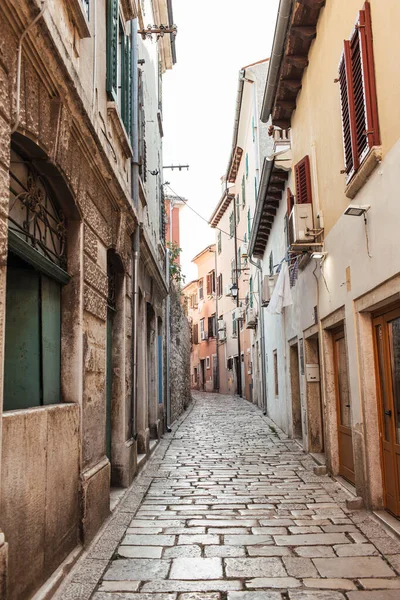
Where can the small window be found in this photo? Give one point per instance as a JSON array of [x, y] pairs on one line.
[[243, 192], [208, 366], [231, 225], [303, 181], [237, 209], [360, 125], [201, 291], [219, 242], [211, 283], [276, 373], [229, 364], [212, 333], [234, 326], [219, 286]]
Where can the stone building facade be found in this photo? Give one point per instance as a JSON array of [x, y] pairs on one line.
[[180, 356], [83, 284]]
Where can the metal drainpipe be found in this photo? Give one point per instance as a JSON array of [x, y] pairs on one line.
[[239, 373], [262, 334], [136, 235]]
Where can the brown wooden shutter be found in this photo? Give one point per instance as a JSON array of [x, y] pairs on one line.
[[367, 57], [290, 201], [209, 290], [196, 333], [358, 94], [344, 102], [303, 181]]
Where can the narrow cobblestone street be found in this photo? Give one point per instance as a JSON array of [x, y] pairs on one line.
[[228, 505]]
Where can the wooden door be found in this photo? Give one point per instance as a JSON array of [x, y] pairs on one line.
[[346, 457], [387, 361]]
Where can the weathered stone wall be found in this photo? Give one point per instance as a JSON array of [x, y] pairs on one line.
[[180, 357]]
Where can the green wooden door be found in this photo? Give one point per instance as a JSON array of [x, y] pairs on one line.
[[109, 374], [22, 384]]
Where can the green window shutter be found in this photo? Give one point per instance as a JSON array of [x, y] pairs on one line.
[[251, 292], [22, 385], [237, 209], [247, 165], [243, 192], [51, 340], [255, 189], [112, 47], [127, 87], [248, 223]]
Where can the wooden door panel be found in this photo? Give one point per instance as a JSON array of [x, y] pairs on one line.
[[346, 457]]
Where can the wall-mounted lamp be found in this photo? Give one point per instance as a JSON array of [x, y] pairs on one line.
[[234, 290], [354, 210], [319, 255], [158, 30]]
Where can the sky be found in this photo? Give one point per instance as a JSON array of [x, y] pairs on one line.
[[216, 38]]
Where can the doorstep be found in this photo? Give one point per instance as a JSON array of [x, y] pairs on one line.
[[50, 587], [391, 523]]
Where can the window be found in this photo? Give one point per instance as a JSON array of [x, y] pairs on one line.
[[219, 285], [276, 373], [202, 326], [119, 64], [243, 192], [237, 209], [86, 7], [234, 326], [219, 242], [359, 107], [251, 292], [36, 266], [196, 333], [303, 181], [247, 165], [193, 300], [248, 223], [229, 364], [239, 262], [211, 283], [233, 270], [231, 225], [201, 291], [271, 264], [290, 201], [208, 366], [212, 330]]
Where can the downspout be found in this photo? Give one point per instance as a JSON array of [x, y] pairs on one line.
[[284, 11], [262, 333], [239, 373], [19, 65], [136, 235], [94, 82]]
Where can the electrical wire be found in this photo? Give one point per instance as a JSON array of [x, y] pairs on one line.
[[366, 235], [199, 215]]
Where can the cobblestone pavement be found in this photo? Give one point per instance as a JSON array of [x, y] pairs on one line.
[[233, 510]]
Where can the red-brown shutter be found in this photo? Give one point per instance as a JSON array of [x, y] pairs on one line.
[[195, 334], [290, 201], [358, 94], [209, 289], [344, 102], [367, 57], [303, 181]]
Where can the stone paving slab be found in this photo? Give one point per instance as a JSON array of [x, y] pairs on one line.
[[228, 508]]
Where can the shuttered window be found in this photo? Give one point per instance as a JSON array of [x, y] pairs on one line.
[[211, 327], [196, 334], [231, 225], [243, 192], [142, 128], [219, 242], [112, 47], [237, 209], [360, 124], [210, 283], [303, 181]]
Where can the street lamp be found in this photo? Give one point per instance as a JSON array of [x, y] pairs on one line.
[[234, 290]]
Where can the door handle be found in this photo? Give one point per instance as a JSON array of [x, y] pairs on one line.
[[388, 413]]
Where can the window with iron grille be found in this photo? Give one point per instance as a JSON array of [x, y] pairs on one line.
[[360, 125], [303, 181]]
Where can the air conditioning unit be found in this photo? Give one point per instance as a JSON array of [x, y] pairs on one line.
[[228, 291], [269, 283], [221, 325], [300, 222], [204, 336], [251, 318], [238, 313], [222, 335], [245, 249]]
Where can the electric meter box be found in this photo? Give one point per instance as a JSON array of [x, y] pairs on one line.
[[312, 373]]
